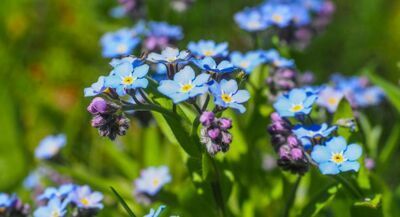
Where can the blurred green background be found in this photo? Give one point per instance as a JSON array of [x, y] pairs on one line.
[[50, 51]]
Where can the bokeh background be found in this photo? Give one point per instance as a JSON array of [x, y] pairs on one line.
[[50, 51]]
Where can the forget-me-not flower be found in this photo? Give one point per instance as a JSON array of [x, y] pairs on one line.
[[6, 201], [208, 48], [61, 192], [330, 98], [296, 102], [119, 43], [125, 76], [300, 15], [50, 146], [84, 197], [226, 94], [277, 14], [185, 85], [272, 56], [163, 29], [55, 207], [336, 156], [152, 179], [96, 88], [251, 20], [248, 61], [209, 64], [308, 134], [168, 56]]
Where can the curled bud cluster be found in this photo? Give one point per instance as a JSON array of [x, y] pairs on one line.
[[15, 208], [292, 156], [214, 134], [106, 119]]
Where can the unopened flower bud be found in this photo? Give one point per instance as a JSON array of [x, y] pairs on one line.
[[226, 138], [296, 153], [207, 118], [98, 121], [292, 141], [225, 123], [97, 106], [213, 133]]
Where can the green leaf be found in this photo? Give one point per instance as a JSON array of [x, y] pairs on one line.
[[392, 91], [320, 201], [123, 203], [390, 146], [368, 208], [344, 114]]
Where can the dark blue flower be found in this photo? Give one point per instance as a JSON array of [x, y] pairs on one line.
[[313, 133], [209, 64]]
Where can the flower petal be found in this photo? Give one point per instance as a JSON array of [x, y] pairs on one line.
[[349, 165], [297, 96], [329, 168], [237, 106], [336, 144], [141, 71], [353, 152], [198, 91], [168, 87], [140, 83], [320, 154], [185, 75], [228, 86], [201, 79], [241, 96]]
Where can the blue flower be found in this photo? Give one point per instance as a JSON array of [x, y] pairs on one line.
[[119, 43], [163, 29], [50, 146], [96, 88], [209, 64], [130, 59], [185, 85], [301, 16], [248, 61], [336, 156], [296, 102], [156, 213], [160, 72], [7, 201], [277, 14], [55, 207], [169, 55], [251, 20], [84, 197], [369, 96], [125, 76], [32, 180], [62, 192], [330, 98], [312, 5], [313, 133], [208, 48], [272, 56], [226, 94], [152, 179]]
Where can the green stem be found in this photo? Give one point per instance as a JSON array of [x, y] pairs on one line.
[[217, 190], [355, 192], [292, 197], [150, 107]]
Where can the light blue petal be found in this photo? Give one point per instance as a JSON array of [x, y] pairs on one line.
[[141, 71], [228, 86], [349, 165], [170, 52], [282, 106], [201, 79], [198, 91], [155, 57], [328, 168], [120, 90], [215, 88], [123, 69], [306, 142], [89, 92], [112, 81], [336, 144], [224, 65], [185, 75], [353, 152], [310, 100], [297, 96], [183, 55], [320, 154], [179, 97], [237, 106], [241, 96], [168, 87], [210, 62], [140, 83]]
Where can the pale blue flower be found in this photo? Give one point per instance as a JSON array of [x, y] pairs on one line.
[[208, 48], [300, 15], [84, 198], [336, 156], [369, 96], [125, 77], [6, 201], [152, 179], [272, 56], [50, 146], [330, 98], [248, 61], [226, 94], [313, 133], [168, 56], [96, 88], [209, 64], [32, 180], [163, 29], [277, 14], [55, 207], [251, 20], [185, 85], [61, 192], [296, 102], [119, 43]]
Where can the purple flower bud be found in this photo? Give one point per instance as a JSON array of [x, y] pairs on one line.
[[207, 118], [369, 163], [287, 73], [226, 138], [284, 151], [98, 121], [277, 140], [292, 141], [275, 117], [327, 8], [225, 123], [296, 153], [97, 106], [212, 148], [213, 133]]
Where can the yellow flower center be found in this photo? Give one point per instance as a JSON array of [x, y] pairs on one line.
[[122, 48], [244, 64], [128, 80], [156, 182], [337, 158], [332, 101], [55, 213], [171, 59], [296, 108], [186, 88], [254, 24], [226, 98], [277, 18], [85, 201], [208, 53]]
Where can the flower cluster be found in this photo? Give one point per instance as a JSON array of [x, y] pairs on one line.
[[294, 21], [215, 133], [12, 206], [300, 142], [153, 35]]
